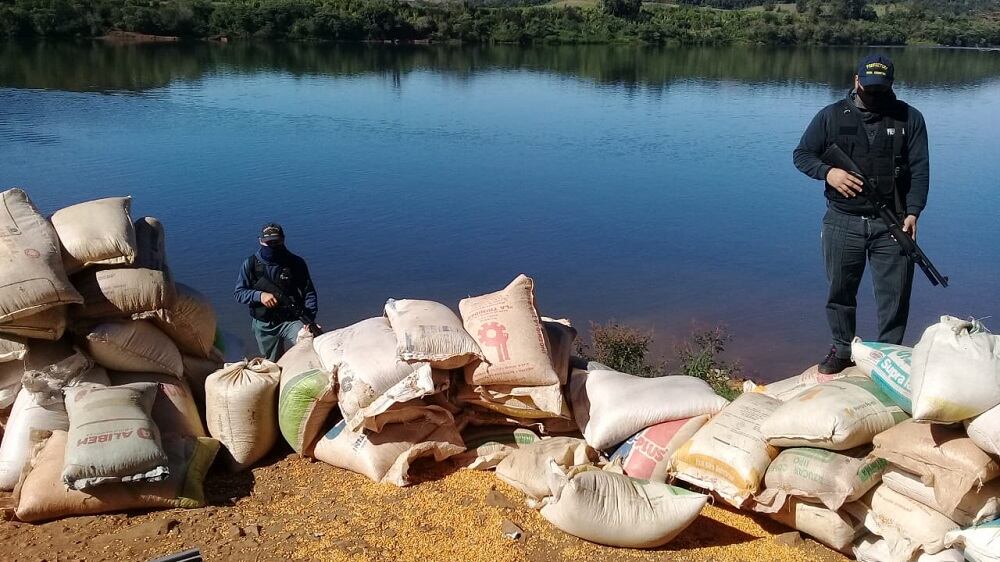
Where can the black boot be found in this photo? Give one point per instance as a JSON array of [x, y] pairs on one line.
[[833, 364]]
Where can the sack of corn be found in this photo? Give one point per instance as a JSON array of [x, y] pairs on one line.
[[41, 495], [241, 410], [787, 389], [429, 331], [98, 232], [510, 334], [819, 476], [647, 454], [112, 437], [120, 292], [978, 506], [616, 510], [942, 456], [486, 446], [174, 410], [980, 544], [190, 322], [908, 527], [306, 396], [386, 456], [836, 529], [956, 371], [836, 415], [32, 279], [729, 455], [134, 346], [610, 407], [873, 548], [49, 324], [984, 430], [527, 468], [889, 366]]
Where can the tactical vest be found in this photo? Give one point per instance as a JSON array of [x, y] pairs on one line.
[[884, 160], [283, 282]]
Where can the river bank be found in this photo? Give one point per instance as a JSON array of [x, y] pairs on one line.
[[608, 21]]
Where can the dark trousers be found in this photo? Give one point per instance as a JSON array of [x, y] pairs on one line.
[[848, 242]]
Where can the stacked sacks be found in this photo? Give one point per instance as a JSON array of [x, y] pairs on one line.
[[940, 478], [525, 360], [787, 389], [391, 397], [827, 431], [647, 454]]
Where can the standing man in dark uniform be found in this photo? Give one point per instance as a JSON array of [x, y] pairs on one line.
[[888, 140], [276, 285]]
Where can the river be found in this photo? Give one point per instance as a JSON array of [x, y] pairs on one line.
[[653, 186]]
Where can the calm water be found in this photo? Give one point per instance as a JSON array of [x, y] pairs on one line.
[[652, 186]]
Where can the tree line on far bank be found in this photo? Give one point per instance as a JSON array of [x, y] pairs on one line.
[[840, 22]]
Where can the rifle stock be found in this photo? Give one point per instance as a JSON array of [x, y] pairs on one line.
[[836, 157]]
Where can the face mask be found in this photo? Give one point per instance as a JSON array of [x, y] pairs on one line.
[[272, 253]]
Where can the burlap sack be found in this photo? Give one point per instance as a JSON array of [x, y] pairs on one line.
[[430, 331], [819, 476], [98, 232], [190, 322], [49, 324], [907, 526], [976, 507], [729, 455], [307, 394], [944, 458], [561, 336], [41, 495], [527, 468], [32, 277], [124, 292], [174, 410], [241, 410], [112, 437], [836, 529], [510, 334], [150, 241], [134, 346], [386, 456]]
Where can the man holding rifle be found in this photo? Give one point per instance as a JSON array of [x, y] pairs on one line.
[[887, 141], [276, 285]]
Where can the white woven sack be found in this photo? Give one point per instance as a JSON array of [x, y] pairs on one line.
[[873, 548], [956, 371], [609, 407], [984, 430], [135, 346], [613, 509], [980, 544], [430, 331], [908, 526]]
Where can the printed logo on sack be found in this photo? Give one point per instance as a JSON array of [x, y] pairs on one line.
[[32, 253], [875, 355], [494, 334], [142, 433]]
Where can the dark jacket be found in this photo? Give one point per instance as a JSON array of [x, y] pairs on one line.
[[301, 283], [823, 131]]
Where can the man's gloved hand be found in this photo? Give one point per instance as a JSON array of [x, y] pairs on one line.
[[846, 183]]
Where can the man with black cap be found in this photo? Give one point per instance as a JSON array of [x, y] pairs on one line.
[[275, 284], [888, 140]]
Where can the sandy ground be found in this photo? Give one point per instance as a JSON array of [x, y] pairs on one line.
[[294, 509]]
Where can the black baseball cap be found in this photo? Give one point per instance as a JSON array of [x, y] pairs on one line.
[[875, 70], [272, 232]]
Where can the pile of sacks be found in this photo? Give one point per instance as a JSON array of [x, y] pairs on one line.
[[99, 352]]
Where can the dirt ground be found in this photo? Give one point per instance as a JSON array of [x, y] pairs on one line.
[[293, 509]]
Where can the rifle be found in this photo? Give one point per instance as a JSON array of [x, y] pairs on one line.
[[289, 303], [835, 156]]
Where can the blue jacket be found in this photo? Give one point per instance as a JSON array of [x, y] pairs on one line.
[[302, 282]]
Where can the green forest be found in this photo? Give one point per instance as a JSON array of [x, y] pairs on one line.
[[968, 23]]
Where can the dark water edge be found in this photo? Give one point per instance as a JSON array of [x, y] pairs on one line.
[[650, 185]]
